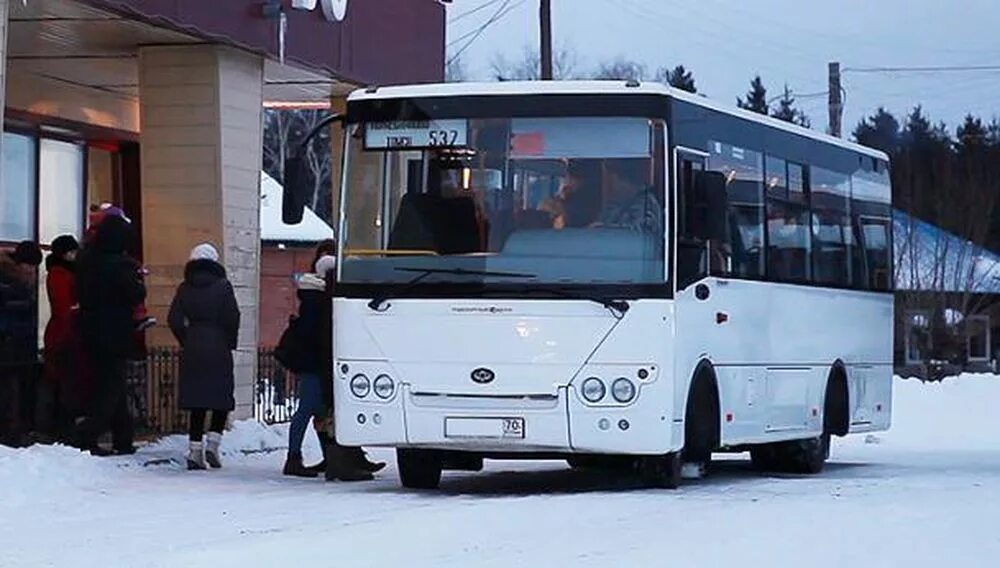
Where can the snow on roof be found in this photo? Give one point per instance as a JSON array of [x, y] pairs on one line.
[[930, 258], [599, 87], [312, 229]]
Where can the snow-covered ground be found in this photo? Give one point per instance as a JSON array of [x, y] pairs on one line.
[[925, 494]]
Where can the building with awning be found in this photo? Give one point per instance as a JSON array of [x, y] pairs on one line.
[[157, 105]]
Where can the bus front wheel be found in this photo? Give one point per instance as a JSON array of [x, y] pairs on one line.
[[661, 471], [419, 469]]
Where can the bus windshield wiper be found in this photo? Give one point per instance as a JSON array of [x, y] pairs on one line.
[[617, 307], [422, 273]]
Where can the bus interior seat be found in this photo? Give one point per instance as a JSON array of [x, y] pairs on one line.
[[410, 230]]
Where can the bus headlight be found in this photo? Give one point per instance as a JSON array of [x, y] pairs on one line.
[[593, 390], [360, 386], [623, 390], [384, 387]]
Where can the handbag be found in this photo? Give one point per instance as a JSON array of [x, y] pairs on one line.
[[291, 350]]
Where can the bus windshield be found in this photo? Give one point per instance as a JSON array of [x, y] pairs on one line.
[[576, 201]]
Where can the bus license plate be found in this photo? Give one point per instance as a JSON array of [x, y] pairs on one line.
[[484, 428]]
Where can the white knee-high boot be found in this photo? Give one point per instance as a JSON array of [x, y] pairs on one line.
[[196, 455], [212, 454]]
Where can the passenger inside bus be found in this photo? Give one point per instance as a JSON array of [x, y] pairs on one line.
[[629, 200]]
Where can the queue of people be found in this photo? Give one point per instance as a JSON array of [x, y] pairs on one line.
[[77, 391]]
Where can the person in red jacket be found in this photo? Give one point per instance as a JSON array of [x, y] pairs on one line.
[[60, 284]]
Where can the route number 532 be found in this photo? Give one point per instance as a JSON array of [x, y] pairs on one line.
[[443, 137]]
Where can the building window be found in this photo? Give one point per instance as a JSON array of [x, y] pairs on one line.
[[918, 336], [978, 337], [17, 200], [744, 172], [61, 190]]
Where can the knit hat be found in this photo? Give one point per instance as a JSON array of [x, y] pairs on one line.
[[325, 264], [27, 252], [205, 251], [64, 244]]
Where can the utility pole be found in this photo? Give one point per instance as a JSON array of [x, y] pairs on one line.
[[545, 20], [836, 101]]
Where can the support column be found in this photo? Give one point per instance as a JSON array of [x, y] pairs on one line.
[[201, 138], [3, 76]]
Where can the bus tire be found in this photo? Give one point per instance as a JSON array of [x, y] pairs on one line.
[[663, 472], [702, 419], [806, 456], [419, 469]]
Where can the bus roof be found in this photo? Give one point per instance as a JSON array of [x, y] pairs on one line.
[[596, 88]]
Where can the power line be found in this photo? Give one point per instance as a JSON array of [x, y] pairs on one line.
[[475, 10], [929, 69], [501, 12]]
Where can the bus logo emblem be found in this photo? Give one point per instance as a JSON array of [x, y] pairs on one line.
[[483, 376]]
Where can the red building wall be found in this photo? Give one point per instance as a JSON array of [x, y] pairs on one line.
[[277, 288]]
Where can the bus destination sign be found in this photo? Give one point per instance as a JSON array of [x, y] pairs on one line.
[[445, 133]]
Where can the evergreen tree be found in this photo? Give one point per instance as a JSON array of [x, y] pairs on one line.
[[756, 99], [971, 136], [879, 131], [678, 78], [786, 110]]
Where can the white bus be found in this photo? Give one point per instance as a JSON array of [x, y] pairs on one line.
[[614, 274]]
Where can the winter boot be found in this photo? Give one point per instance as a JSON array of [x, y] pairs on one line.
[[342, 465], [196, 456], [294, 467], [212, 453], [324, 443], [360, 460]]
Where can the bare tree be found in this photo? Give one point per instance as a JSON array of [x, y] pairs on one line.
[[621, 69], [455, 71], [527, 67]]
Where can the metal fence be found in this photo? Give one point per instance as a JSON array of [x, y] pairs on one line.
[[153, 384]]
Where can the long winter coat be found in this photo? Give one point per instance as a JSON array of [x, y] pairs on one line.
[[109, 287], [205, 319], [60, 283]]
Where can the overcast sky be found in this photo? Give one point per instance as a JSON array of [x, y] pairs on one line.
[[726, 42]]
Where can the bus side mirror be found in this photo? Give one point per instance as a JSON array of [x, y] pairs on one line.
[[712, 188], [294, 197], [296, 190]]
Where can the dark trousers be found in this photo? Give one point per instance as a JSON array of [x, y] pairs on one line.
[[196, 422], [109, 408]]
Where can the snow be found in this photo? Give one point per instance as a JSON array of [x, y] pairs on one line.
[[927, 493], [272, 228]]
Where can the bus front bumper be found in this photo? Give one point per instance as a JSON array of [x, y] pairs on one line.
[[560, 423]]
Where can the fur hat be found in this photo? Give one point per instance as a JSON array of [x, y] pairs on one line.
[[325, 264], [205, 251]]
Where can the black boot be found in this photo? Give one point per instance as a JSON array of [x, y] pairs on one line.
[[341, 465], [360, 459], [294, 467], [324, 443]]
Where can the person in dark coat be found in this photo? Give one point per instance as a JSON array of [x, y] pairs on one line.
[[205, 319], [109, 287], [18, 341], [60, 284], [316, 387]]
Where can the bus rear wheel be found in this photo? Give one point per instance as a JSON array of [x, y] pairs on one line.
[[797, 456], [419, 469]]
